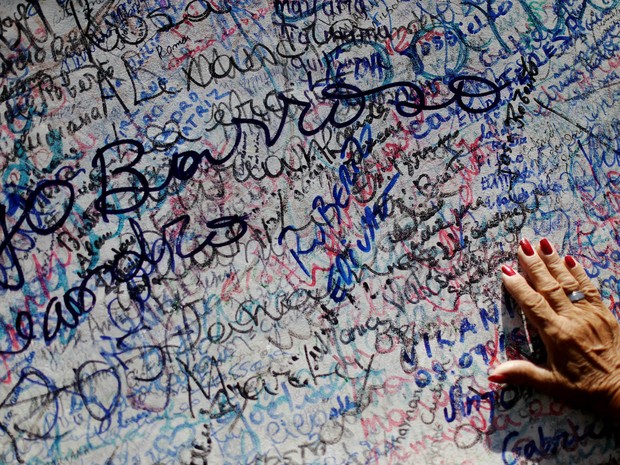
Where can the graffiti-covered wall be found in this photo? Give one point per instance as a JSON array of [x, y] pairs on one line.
[[248, 232]]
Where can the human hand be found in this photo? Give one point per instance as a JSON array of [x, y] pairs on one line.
[[582, 338]]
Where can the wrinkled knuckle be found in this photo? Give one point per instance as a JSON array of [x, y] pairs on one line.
[[592, 294], [519, 289], [537, 266], [533, 300], [517, 285], [550, 288], [553, 262], [568, 281]]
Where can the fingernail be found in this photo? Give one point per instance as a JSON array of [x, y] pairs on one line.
[[508, 271], [545, 245], [499, 378], [570, 261], [527, 247]]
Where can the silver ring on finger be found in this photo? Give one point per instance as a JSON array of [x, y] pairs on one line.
[[576, 296]]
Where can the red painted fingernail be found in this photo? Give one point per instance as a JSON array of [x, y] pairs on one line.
[[508, 271], [545, 245], [570, 261], [527, 247], [498, 378]]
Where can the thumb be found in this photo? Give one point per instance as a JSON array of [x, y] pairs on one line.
[[524, 373]]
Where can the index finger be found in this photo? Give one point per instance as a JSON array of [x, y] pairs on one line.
[[534, 305]]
